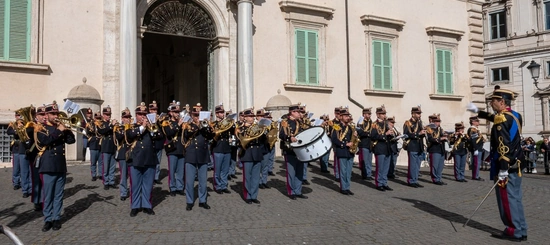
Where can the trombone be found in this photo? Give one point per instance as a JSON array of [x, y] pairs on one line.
[[73, 123]]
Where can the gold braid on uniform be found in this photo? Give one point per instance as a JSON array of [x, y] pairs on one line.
[[342, 135]]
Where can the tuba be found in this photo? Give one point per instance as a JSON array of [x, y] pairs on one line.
[[272, 134], [222, 126], [26, 121]]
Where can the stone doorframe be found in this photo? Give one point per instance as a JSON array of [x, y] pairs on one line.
[[223, 86]]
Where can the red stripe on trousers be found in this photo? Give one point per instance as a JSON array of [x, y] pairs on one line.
[[506, 208]]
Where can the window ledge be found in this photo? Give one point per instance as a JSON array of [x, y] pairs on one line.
[[295, 6], [446, 97], [308, 88], [6, 65], [500, 82], [384, 93]]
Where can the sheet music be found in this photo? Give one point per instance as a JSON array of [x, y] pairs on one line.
[[361, 119], [152, 117], [71, 107], [318, 122], [204, 115]]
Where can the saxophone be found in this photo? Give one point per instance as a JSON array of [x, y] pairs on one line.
[[354, 148]]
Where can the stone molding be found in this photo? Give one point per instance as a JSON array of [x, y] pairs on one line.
[[384, 93], [391, 25], [14, 66], [308, 88], [446, 97], [306, 12], [434, 32]]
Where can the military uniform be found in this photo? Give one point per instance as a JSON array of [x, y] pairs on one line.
[[336, 121], [221, 149], [53, 167], [142, 163], [459, 143], [290, 127], [108, 149], [175, 151], [269, 157], [84, 124], [365, 151], [382, 149], [21, 170], [120, 155], [475, 146], [436, 149], [36, 194], [158, 143], [96, 162], [264, 168], [506, 158], [197, 158], [324, 160], [251, 158], [394, 150], [414, 145], [340, 137]]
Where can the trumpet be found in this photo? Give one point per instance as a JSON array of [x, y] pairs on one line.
[[73, 123]]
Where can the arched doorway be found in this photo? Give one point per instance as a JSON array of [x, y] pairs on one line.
[[176, 54]]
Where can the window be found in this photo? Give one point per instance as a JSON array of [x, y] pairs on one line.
[[5, 141], [498, 25], [307, 61], [381, 65], [547, 15], [15, 30], [500, 74], [444, 73], [548, 69]]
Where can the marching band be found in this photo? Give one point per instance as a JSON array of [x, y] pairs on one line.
[[191, 141]]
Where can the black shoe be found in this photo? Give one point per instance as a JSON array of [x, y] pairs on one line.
[[369, 178], [381, 188], [261, 186], [305, 182], [413, 185], [392, 177], [267, 186], [47, 226], [226, 191], [228, 177], [248, 201], [100, 177], [16, 187], [94, 178], [464, 180], [234, 176], [419, 185], [204, 205], [106, 187], [56, 225], [337, 179], [440, 183], [134, 212], [524, 238], [387, 188], [330, 165], [37, 207], [157, 182], [479, 179], [345, 192], [189, 207], [25, 195], [272, 174], [123, 198], [301, 196], [149, 211], [173, 193], [325, 171], [113, 186], [181, 192], [506, 237], [219, 192], [350, 193], [292, 197], [256, 201]]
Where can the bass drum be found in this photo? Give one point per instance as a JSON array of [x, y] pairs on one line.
[[312, 144]]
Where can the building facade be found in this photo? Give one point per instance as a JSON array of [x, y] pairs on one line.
[[245, 53], [517, 32]]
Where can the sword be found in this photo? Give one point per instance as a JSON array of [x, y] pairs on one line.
[[491, 190]]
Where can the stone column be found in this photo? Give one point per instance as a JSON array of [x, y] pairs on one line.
[[545, 112], [128, 54], [245, 84], [220, 63]]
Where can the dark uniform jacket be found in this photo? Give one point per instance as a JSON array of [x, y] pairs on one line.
[[475, 140], [255, 150], [196, 141], [382, 141], [341, 135], [289, 128], [120, 142], [436, 145], [93, 141], [414, 141], [459, 144], [221, 145], [173, 133], [18, 146], [364, 130], [393, 143], [505, 139], [53, 141], [107, 142], [143, 151]]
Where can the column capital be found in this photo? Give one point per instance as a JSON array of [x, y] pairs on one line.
[[241, 1]]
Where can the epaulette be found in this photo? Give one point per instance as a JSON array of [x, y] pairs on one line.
[[284, 123], [499, 118], [29, 124], [127, 126], [38, 127], [375, 125], [408, 123], [336, 127], [165, 123]]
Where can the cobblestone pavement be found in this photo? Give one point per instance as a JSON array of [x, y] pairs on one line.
[[427, 215]]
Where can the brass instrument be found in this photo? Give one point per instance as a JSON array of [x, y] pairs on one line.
[[21, 125], [354, 148], [222, 126], [256, 130], [272, 134], [73, 123]]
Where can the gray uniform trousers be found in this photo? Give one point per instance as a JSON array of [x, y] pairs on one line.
[[52, 191], [438, 163], [123, 186], [251, 179], [95, 157], [221, 170], [459, 166], [176, 169], [24, 168], [415, 159], [510, 206], [141, 182], [294, 176], [109, 168], [382, 167], [201, 171], [476, 163], [345, 166]]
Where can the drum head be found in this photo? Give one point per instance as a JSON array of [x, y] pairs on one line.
[[308, 136]]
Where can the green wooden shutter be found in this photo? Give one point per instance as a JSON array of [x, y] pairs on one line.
[[444, 71], [381, 65], [19, 39], [3, 22], [312, 58], [301, 59]]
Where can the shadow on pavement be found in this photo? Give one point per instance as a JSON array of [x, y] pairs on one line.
[[456, 219], [73, 190], [10, 211], [24, 218], [159, 195], [330, 184], [81, 205]]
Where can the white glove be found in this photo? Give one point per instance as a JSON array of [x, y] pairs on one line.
[[476, 153], [471, 107], [502, 175]]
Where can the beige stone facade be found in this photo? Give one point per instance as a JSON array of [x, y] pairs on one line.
[[68, 44]]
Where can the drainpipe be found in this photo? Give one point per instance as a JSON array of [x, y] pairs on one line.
[[347, 61]]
